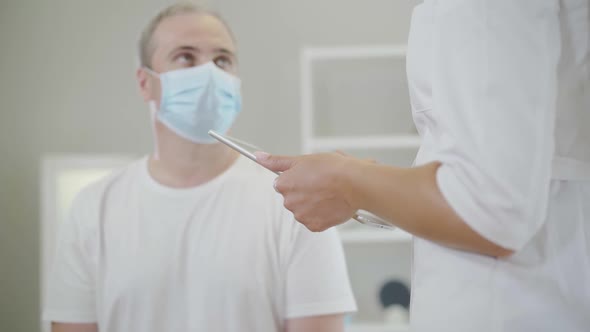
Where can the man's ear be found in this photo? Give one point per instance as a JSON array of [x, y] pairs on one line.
[[144, 84]]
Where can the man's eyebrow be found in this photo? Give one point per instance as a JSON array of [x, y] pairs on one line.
[[184, 48], [224, 51], [196, 49]]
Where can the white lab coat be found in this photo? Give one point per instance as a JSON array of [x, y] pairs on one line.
[[501, 96]]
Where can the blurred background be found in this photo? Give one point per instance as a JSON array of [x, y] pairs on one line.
[[69, 102]]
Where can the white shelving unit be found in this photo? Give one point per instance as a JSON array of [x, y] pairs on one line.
[[312, 143], [377, 328], [320, 143], [369, 235], [353, 234]]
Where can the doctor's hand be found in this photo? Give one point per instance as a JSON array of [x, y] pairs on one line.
[[317, 188]]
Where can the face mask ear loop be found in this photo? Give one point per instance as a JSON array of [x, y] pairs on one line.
[[153, 111], [151, 72]]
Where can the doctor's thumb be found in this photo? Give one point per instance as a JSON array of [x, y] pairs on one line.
[[274, 163]]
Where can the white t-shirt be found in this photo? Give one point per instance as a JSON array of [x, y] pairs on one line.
[[224, 256]]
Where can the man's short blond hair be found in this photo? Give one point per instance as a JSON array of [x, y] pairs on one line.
[[146, 42]]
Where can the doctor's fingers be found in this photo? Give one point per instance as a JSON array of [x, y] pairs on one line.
[[304, 213], [283, 184], [274, 162]]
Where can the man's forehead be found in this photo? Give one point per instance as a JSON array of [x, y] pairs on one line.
[[188, 29]]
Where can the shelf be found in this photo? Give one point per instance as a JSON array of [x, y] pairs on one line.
[[377, 328], [352, 52], [350, 235], [365, 142]]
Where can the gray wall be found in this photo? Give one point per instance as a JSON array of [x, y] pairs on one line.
[[271, 34], [67, 86]]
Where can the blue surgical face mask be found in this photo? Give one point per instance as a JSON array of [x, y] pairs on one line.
[[198, 99]]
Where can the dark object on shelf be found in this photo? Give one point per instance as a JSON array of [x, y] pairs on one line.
[[395, 293]]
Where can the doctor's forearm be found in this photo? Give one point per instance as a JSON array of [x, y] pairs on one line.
[[412, 200]]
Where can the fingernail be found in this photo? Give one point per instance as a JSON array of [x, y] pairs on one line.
[[262, 156]]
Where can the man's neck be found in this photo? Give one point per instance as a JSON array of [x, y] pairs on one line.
[[183, 164]]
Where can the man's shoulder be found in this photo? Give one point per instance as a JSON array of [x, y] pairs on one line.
[[95, 191]]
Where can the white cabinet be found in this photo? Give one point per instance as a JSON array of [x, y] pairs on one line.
[[62, 177], [355, 99], [377, 328]]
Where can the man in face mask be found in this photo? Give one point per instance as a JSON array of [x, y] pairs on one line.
[[192, 238]]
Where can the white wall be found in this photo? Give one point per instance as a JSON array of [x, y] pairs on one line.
[[67, 86]]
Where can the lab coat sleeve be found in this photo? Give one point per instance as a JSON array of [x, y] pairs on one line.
[[70, 294], [494, 94]]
